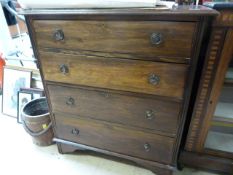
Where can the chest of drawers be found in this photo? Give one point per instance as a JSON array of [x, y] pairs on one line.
[[119, 81]]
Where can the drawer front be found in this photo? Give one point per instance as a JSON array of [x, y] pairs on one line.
[[119, 74], [147, 113], [116, 139], [147, 39]]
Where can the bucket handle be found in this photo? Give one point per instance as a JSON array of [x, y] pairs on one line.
[[35, 134]]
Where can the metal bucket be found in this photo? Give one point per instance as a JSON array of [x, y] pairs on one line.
[[36, 121]]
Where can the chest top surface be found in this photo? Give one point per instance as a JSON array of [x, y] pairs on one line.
[[176, 10]]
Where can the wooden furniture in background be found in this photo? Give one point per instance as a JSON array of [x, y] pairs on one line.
[[209, 143], [119, 81]]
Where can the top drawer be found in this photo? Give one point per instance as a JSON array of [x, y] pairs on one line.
[[129, 39]]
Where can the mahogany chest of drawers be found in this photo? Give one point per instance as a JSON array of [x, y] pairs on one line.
[[119, 81]]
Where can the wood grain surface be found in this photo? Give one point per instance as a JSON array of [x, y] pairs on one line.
[[129, 38], [117, 74], [117, 108], [115, 138], [111, 50]]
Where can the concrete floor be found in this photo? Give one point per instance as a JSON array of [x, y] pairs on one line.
[[18, 155]]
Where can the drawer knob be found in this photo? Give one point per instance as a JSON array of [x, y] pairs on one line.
[[154, 79], [156, 38], [75, 131], [150, 115], [147, 147], [105, 94], [64, 69], [58, 35], [70, 101]]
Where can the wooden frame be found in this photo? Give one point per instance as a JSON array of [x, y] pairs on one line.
[[13, 80], [36, 93], [202, 116], [218, 58], [23, 98]]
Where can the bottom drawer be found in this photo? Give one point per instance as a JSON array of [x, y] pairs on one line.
[[115, 138]]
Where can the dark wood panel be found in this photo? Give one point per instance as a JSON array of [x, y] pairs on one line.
[[114, 138], [133, 39], [213, 75], [225, 19], [225, 58], [127, 93], [141, 112], [65, 146], [198, 113], [117, 74], [206, 162], [184, 11], [180, 60]]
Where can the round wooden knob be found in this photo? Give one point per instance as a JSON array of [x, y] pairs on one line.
[[154, 79], [150, 114], [75, 131], [64, 69], [147, 147], [58, 35], [70, 101], [156, 38]]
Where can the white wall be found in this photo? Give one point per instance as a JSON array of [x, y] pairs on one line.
[[6, 44]]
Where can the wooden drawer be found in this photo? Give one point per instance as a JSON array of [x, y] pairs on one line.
[[119, 74], [141, 112], [114, 138], [130, 39]]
